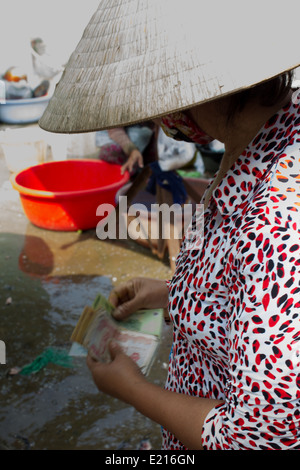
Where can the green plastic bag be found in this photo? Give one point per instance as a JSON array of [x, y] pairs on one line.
[[50, 355]]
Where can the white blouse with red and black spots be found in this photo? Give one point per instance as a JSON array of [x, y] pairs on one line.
[[235, 303]]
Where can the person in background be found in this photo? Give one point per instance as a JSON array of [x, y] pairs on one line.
[[128, 146], [134, 156]]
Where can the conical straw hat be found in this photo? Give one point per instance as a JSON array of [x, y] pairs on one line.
[[140, 59]]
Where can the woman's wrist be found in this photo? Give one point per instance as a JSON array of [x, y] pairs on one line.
[[140, 392], [182, 415], [157, 293]]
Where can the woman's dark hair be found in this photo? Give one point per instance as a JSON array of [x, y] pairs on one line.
[[269, 93]]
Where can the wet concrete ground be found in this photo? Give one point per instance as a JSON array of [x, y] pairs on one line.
[[46, 279]]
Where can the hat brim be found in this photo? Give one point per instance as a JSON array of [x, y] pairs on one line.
[[139, 60]]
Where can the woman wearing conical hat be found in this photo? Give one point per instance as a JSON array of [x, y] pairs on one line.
[[209, 70]]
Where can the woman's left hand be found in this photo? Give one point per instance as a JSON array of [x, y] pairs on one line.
[[117, 378]]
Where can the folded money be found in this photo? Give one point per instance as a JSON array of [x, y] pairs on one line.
[[138, 336]]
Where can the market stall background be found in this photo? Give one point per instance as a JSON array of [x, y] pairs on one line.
[[59, 23]]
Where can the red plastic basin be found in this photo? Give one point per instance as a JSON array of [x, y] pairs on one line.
[[64, 195]]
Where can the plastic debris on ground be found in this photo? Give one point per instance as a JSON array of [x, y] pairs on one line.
[[49, 356]]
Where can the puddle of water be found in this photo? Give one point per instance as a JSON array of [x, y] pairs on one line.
[[46, 279]]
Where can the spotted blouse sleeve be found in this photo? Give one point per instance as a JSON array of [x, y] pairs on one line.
[[262, 408]]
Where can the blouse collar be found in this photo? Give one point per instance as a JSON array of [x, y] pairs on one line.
[[256, 161]]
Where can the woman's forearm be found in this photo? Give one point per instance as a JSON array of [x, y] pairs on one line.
[[181, 414], [120, 136]]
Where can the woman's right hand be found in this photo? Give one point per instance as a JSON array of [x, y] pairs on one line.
[[136, 294]]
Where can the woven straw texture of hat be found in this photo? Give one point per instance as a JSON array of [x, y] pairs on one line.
[[140, 59]]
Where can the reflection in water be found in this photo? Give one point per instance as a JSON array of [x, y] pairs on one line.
[[36, 258]]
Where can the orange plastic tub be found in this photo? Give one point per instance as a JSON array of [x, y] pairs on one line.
[[64, 195]]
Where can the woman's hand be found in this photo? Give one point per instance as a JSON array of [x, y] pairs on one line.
[[117, 378], [138, 293], [181, 414], [135, 158]]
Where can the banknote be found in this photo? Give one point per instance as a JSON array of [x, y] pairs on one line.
[[138, 337]]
